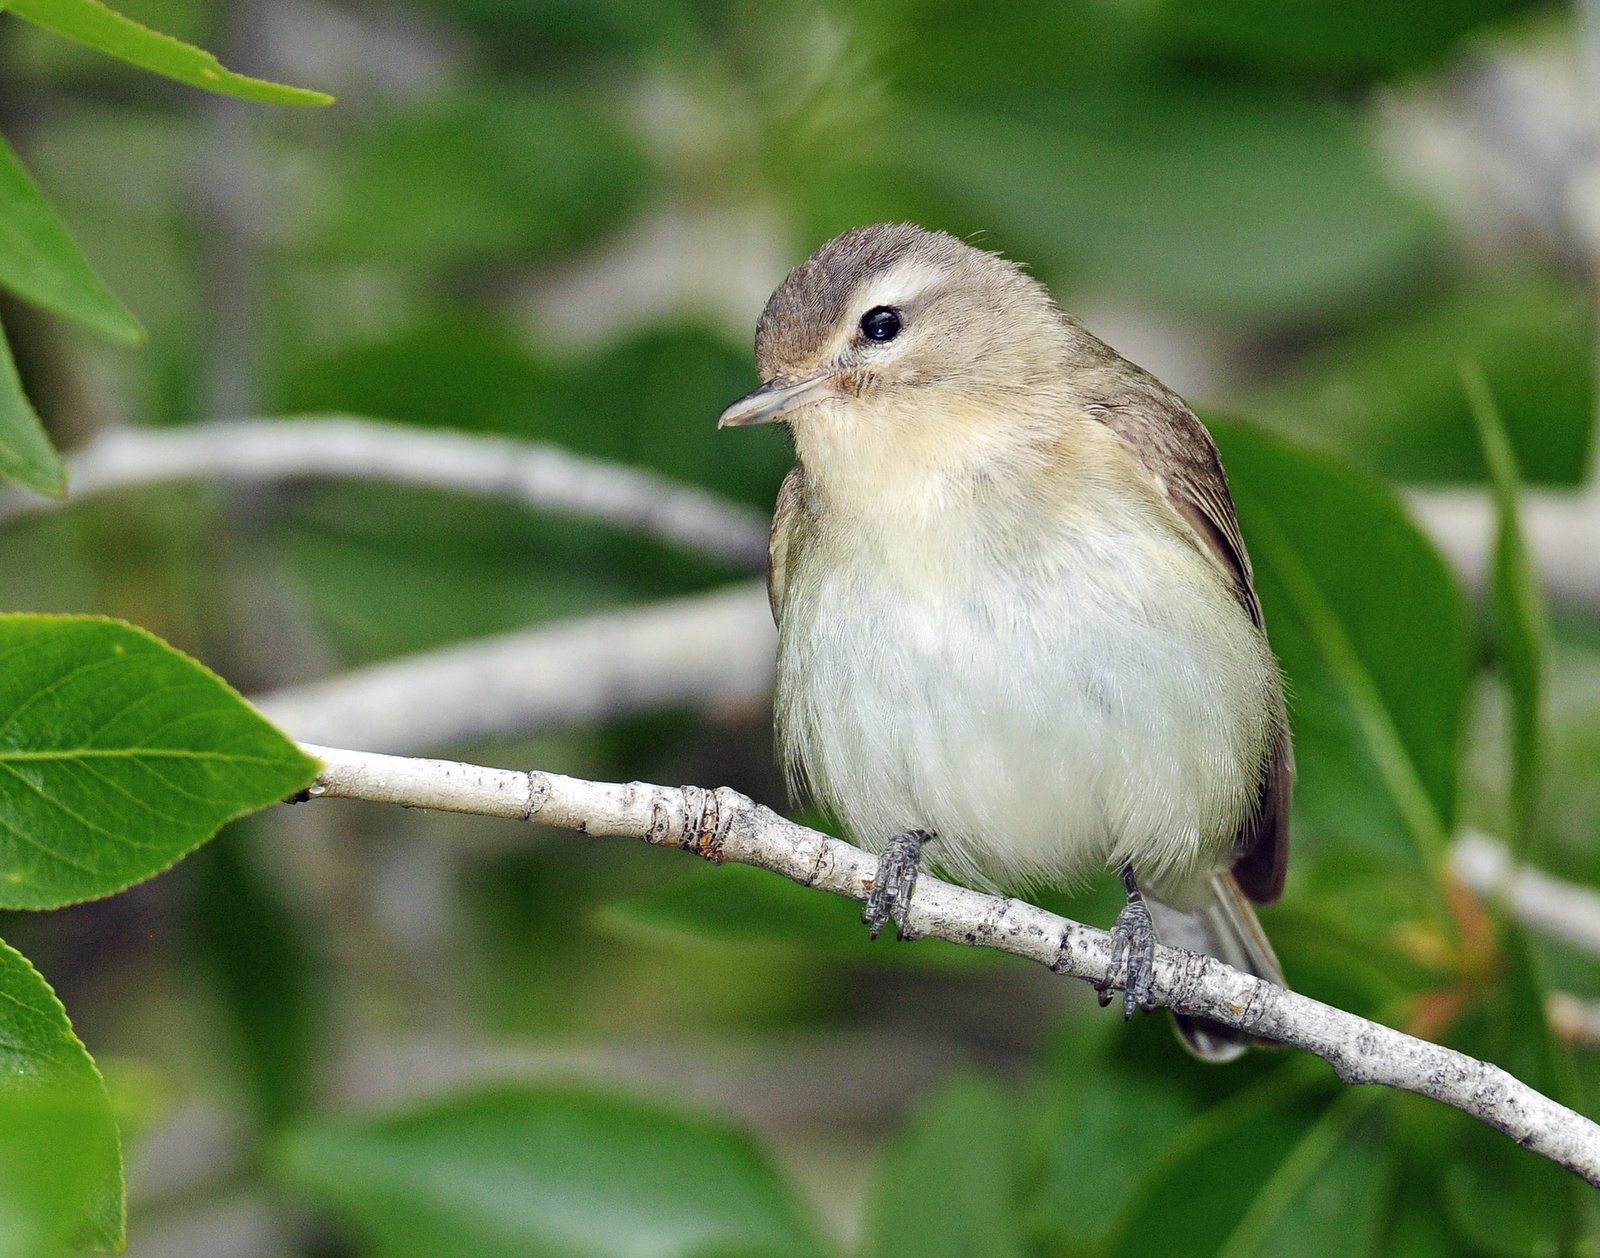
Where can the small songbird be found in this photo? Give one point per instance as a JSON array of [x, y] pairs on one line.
[[1016, 621]]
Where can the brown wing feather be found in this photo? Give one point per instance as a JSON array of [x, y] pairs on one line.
[[1175, 448]]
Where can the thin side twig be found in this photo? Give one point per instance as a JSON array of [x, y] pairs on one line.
[[722, 825]]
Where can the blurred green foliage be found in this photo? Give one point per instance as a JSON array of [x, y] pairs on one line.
[[553, 1172], [504, 228], [1391, 394]]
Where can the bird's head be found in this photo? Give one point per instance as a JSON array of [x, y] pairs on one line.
[[892, 335]]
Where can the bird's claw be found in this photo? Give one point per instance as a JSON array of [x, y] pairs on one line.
[[1133, 959], [890, 897]]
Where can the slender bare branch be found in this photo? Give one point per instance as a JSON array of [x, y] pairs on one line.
[[537, 475], [713, 651], [722, 825]]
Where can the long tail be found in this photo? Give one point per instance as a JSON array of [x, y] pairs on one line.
[[1225, 928]]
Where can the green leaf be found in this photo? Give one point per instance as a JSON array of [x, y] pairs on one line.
[[60, 1158], [1521, 625], [26, 455], [1417, 1230], [39, 261], [389, 575], [1374, 638], [117, 756], [1115, 1126], [1270, 1172], [947, 1186], [1505, 1201], [450, 372], [966, 52], [549, 1173], [1389, 394], [1325, 1198], [92, 23]]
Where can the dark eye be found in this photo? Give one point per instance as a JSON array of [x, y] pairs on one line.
[[880, 324]]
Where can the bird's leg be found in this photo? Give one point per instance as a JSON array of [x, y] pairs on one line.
[[1133, 944], [890, 896]]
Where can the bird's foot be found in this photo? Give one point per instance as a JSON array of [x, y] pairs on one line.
[[890, 896], [1133, 953]]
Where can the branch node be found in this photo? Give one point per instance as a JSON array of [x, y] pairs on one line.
[[1064, 962], [538, 794], [820, 866], [659, 832], [1187, 978], [704, 829]]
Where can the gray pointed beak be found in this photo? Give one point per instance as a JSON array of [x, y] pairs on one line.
[[775, 399]]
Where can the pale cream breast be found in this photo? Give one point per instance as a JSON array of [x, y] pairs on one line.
[[1017, 645]]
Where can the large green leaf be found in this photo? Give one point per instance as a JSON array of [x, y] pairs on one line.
[[1270, 1172], [390, 575], [1101, 1143], [60, 1159], [450, 372], [565, 31], [964, 49], [1114, 1104], [956, 50], [947, 1187], [549, 1173], [1325, 1199], [26, 454], [117, 756], [1373, 634], [38, 260], [92, 23]]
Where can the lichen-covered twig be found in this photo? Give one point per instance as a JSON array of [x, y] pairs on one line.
[[722, 825]]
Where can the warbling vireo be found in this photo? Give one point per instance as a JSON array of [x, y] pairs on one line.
[[1016, 621]]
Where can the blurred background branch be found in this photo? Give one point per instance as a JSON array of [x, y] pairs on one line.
[[712, 653], [532, 474]]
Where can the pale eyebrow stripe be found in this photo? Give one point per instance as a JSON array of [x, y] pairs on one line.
[[900, 284]]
